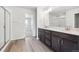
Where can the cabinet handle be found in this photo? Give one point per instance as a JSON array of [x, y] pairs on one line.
[[58, 41], [62, 42]]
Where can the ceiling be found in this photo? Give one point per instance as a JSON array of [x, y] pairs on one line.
[[55, 9], [28, 7]]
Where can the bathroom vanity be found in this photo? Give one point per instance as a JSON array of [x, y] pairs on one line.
[[59, 40], [60, 31]]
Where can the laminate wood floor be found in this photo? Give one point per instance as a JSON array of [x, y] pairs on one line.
[[29, 44]]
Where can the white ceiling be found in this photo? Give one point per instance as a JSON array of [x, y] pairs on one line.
[[27, 7], [55, 9], [30, 7]]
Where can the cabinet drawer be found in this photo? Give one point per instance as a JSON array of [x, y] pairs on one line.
[[59, 34], [65, 36]]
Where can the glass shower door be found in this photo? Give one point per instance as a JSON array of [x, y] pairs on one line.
[[7, 24], [1, 27]]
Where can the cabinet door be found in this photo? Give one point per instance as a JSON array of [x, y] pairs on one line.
[[47, 34], [56, 43], [1, 27], [68, 46], [48, 42], [41, 35], [7, 26]]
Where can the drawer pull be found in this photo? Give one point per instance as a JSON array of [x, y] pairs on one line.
[[62, 42], [58, 41]]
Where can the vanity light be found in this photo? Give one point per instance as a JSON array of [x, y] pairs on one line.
[[49, 10]]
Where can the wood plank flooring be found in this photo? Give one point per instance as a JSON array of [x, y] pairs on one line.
[[29, 44]]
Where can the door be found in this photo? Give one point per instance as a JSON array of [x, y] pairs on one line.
[[1, 27], [28, 27], [47, 38], [7, 23], [41, 35], [68, 46]]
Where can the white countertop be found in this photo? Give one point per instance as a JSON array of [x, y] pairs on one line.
[[74, 31]]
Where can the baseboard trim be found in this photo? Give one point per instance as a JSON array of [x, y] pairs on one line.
[[7, 46], [19, 38], [37, 38]]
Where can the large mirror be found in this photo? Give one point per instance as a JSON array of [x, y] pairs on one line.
[[64, 16], [57, 19]]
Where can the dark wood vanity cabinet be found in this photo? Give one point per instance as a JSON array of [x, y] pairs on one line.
[[60, 42], [44, 36], [64, 42]]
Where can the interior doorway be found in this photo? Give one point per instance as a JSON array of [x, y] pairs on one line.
[[31, 24], [28, 26]]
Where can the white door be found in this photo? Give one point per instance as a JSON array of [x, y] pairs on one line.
[[1, 27], [28, 27], [7, 26]]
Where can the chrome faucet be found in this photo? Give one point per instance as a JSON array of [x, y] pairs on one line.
[[67, 28]]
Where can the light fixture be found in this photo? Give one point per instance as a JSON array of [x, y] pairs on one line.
[[26, 21], [49, 10]]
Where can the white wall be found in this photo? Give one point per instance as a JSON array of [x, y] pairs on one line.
[[42, 18], [18, 21]]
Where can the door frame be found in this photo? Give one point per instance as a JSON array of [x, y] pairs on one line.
[[5, 10]]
